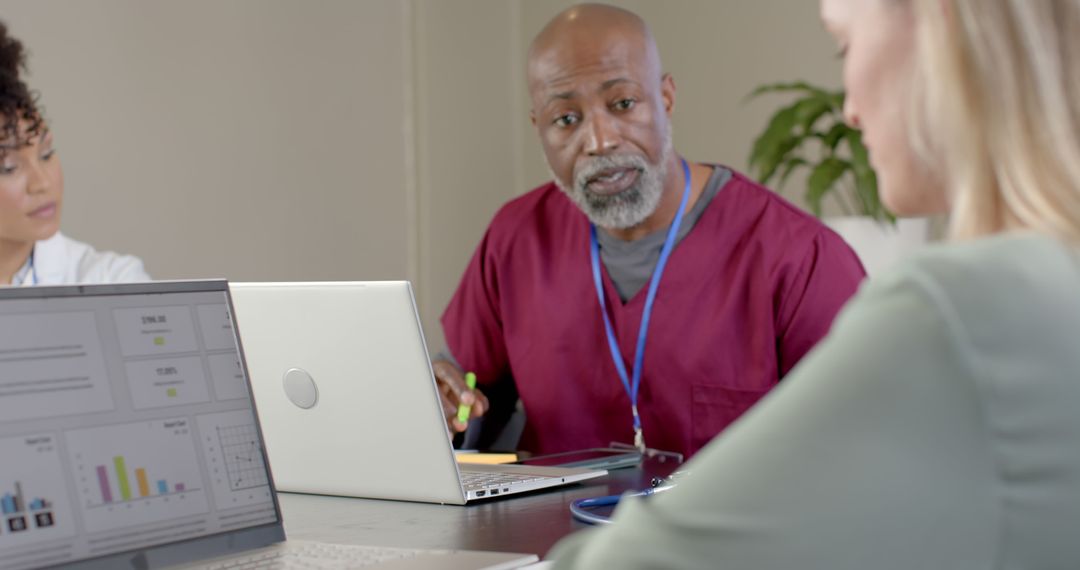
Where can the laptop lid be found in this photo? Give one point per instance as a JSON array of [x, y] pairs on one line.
[[127, 430], [342, 378]]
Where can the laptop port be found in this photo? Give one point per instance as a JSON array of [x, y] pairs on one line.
[[507, 490], [481, 493], [494, 491]]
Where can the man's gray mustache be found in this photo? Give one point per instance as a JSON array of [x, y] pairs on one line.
[[598, 165]]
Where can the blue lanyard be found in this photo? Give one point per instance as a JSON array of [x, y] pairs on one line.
[[33, 267], [31, 275], [643, 331]]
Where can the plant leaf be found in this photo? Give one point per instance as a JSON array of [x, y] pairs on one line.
[[774, 143], [834, 135], [835, 99], [787, 87], [808, 111], [859, 155], [823, 180], [789, 166], [866, 189], [783, 152]]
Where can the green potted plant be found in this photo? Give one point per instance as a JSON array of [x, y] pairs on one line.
[[808, 134]]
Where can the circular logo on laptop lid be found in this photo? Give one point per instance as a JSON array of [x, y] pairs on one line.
[[300, 388]]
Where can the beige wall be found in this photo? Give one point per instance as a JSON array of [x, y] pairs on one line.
[[469, 126], [344, 139], [717, 52], [246, 139]]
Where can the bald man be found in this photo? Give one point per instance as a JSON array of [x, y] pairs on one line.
[[637, 297]]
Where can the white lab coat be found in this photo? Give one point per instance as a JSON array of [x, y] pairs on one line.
[[61, 260]]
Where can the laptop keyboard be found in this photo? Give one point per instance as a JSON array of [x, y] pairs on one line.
[[478, 480], [299, 555]]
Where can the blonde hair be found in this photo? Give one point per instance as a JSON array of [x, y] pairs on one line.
[[997, 112]]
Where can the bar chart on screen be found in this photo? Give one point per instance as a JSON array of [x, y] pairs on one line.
[[33, 502], [136, 473], [238, 473]]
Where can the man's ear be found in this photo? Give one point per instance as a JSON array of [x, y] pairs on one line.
[[667, 92]]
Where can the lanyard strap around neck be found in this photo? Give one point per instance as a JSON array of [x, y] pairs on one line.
[[632, 386], [27, 271]]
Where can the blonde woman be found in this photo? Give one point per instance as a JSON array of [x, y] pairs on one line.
[[32, 249], [938, 425]]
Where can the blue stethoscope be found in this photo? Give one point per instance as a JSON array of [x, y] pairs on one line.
[[581, 509], [632, 386]]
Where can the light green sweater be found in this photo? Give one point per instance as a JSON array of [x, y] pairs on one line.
[[937, 426]]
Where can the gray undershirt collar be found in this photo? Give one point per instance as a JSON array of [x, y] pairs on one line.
[[630, 263]]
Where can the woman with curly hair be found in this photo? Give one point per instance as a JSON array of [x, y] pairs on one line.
[[32, 249]]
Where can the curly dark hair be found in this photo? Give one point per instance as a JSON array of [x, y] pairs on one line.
[[17, 102]]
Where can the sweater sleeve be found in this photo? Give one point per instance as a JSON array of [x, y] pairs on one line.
[[870, 455]]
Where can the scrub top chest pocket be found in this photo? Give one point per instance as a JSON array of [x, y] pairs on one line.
[[714, 407]]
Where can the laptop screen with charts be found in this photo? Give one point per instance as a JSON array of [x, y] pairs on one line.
[[343, 382], [128, 435]]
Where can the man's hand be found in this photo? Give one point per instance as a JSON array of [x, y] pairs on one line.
[[454, 392]]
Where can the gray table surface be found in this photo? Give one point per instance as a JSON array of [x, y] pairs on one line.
[[529, 523]]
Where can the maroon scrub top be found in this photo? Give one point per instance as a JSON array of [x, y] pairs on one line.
[[746, 294]]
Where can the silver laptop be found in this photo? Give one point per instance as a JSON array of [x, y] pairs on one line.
[[349, 404], [129, 439]]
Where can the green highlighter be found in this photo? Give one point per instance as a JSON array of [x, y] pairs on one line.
[[463, 410]]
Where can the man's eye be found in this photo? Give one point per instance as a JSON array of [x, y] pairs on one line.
[[48, 154], [7, 168], [566, 120], [624, 104]]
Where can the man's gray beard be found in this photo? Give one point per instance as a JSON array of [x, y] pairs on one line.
[[629, 207]]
